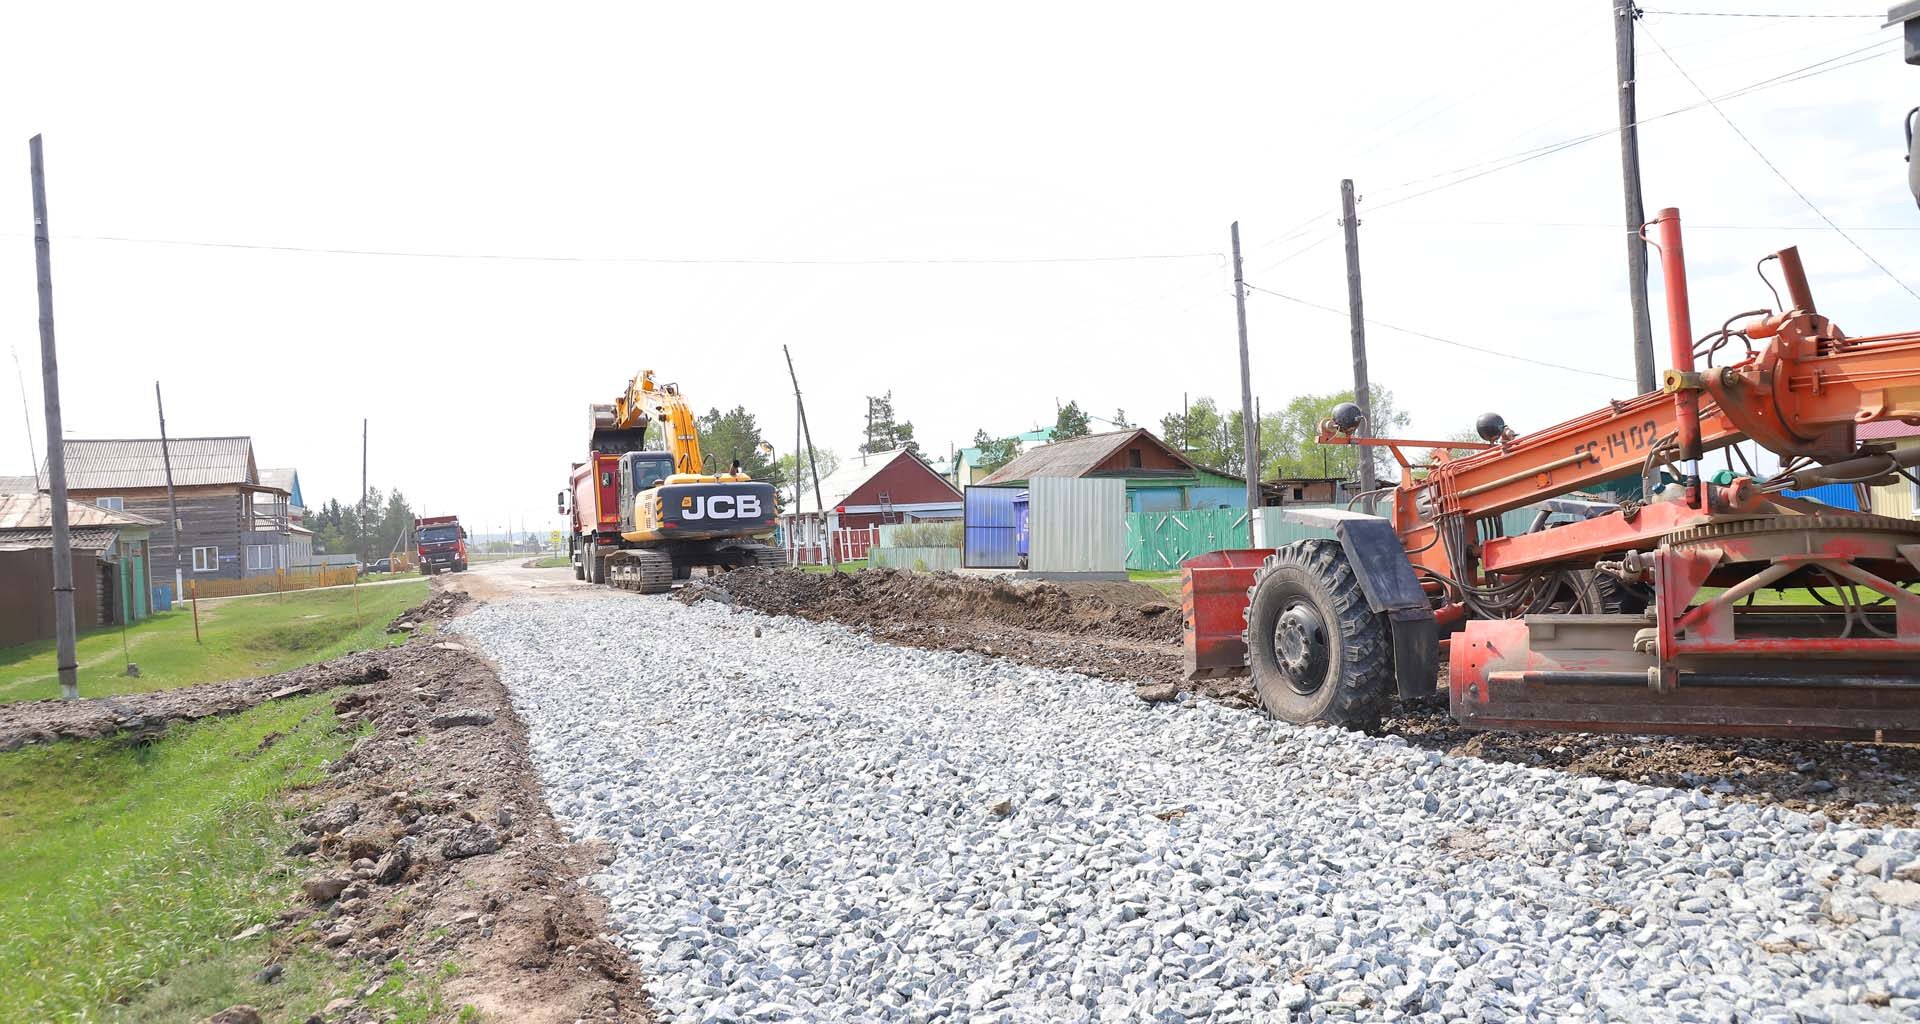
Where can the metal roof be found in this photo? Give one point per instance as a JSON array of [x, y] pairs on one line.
[[1075, 456], [850, 477], [85, 538], [95, 465], [19, 484], [32, 511]]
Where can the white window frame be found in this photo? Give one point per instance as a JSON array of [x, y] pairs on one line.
[[210, 564], [254, 551], [114, 502]]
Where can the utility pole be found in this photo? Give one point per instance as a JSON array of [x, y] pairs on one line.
[[1362, 391], [173, 513], [63, 628], [361, 519], [1250, 429], [833, 557], [1624, 12]]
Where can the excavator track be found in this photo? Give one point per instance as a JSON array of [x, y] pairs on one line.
[[642, 571]]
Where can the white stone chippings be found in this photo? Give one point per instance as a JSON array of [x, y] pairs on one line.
[[805, 828]]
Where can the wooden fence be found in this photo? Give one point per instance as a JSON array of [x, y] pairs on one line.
[[304, 577]]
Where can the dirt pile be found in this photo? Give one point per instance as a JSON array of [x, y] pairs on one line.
[[442, 604], [430, 843], [876, 597]]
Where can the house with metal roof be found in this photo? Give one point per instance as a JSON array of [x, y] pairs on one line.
[[874, 489], [1158, 478], [110, 550], [231, 524]]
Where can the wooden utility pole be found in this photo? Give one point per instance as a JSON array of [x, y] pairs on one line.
[[1362, 391], [361, 519], [63, 628], [833, 557], [1250, 428], [1623, 14], [173, 513]]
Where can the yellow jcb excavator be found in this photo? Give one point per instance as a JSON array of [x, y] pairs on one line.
[[642, 519]]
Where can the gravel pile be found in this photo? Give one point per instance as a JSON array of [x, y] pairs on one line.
[[809, 825]]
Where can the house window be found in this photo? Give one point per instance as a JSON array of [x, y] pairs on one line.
[[206, 559], [1133, 458], [116, 504], [259, 556], [1297, 493]]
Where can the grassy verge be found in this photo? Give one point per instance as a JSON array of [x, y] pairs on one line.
[[125, 868], [853, 566], [556, 562], [1167, 583], [240, 637]]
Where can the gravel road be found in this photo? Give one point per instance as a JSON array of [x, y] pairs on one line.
[[810, 825]]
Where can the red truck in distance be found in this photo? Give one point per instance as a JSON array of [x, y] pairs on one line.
[[441, 544]]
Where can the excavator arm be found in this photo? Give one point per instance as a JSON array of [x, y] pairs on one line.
[[648, 401]]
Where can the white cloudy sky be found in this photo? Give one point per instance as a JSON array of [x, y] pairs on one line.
[[884, 132]]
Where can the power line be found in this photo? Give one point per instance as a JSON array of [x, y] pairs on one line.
[[1784, 180], [692, 261], [1616, 227], [1493, 165], [1753, 14], [1439, 339]]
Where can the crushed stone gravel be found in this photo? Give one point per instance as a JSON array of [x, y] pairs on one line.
[[807, 824]]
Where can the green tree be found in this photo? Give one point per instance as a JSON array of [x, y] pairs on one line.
[[1120, 421], [1289, 448], [995, 451], [395, 519], [1071, 422], [823, 458], [725, 437], [1206, 436], [884, 432]]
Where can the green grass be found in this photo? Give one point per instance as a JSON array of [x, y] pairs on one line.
[[125, 868], [555, 562], [1167, 583], [853, 566], [240, 637]]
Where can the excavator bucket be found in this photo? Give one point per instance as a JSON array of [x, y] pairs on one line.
[[1213, 610]]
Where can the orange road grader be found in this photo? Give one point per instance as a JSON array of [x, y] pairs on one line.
[[1637, 616]]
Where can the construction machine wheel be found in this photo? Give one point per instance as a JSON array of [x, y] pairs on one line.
[[1320, 655]]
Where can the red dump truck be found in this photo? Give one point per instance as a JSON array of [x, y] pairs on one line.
[[442, 544]]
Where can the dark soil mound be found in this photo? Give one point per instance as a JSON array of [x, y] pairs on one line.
[[880, 597]]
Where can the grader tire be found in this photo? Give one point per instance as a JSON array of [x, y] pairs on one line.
[[1319, 655]]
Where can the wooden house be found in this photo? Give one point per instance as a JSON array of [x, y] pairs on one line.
[[231, 525], [110, 552]]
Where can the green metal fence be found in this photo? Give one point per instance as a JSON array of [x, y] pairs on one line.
[[1160, 541]]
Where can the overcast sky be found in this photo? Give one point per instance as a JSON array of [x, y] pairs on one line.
[[730, 178]]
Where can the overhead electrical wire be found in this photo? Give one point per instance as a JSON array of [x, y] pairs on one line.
[[1777, 172], [691, 261], [1480, 169], [1756, 14], [1436, 338]]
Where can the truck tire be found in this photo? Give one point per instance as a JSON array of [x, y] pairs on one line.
[[1320, 655], [596, 566], [579, 561]]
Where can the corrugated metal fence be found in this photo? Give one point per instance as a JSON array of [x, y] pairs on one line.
[[1076, 525], [992, 540]]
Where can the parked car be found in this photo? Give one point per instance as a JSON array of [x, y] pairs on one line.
[[383, 565]]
